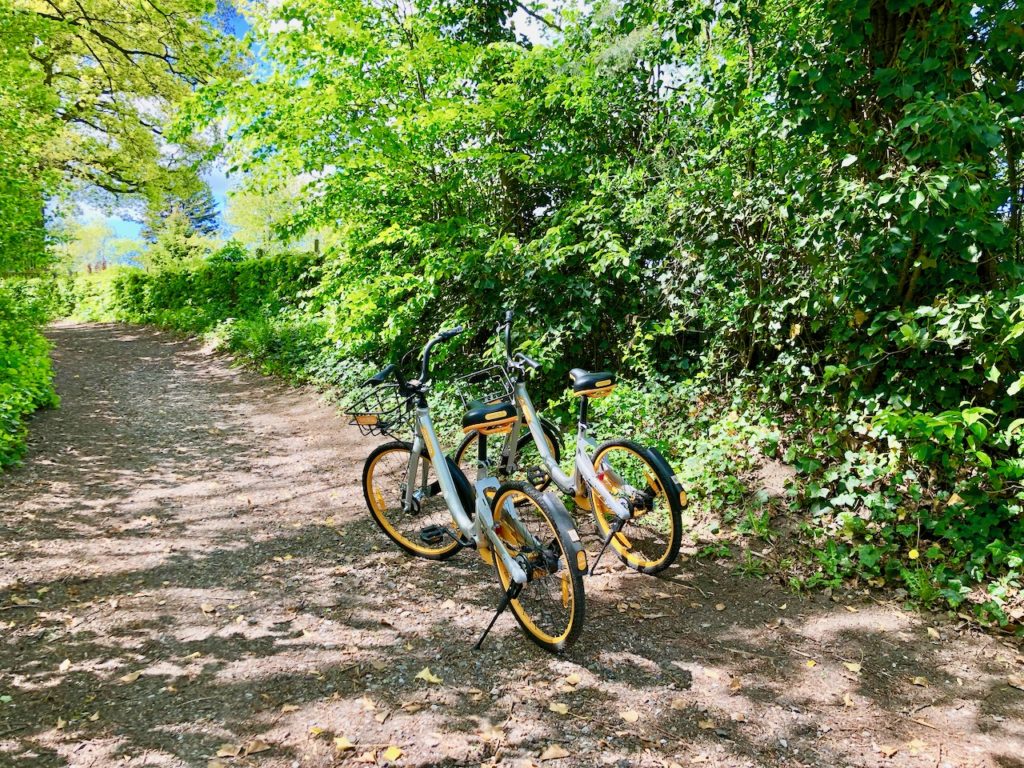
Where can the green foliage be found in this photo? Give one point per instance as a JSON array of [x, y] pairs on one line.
[[791, 225], [259, 309], [25, 374]]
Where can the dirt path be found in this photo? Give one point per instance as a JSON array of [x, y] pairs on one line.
[[186, 563]]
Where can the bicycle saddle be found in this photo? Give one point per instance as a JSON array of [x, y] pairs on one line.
[[591, 384], [489, 419]]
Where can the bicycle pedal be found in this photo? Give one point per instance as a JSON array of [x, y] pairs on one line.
[[433, 535], [536, 476]]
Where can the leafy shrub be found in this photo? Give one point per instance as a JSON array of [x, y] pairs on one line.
[[25, 372]]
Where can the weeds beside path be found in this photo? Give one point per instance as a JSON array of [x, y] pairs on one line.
[[187, 568]]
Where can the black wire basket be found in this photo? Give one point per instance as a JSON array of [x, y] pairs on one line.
[[381, 410], [488, 385]]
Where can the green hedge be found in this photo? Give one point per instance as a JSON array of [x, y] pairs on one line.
[[261, 310], [26, 377]]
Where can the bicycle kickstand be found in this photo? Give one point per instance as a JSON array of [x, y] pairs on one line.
[[510, 594], [617, 526]]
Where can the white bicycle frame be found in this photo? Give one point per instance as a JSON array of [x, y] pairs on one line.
[[482, 526], [584, 475]]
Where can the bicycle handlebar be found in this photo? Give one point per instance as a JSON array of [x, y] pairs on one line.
[[451, 333], [505, 328]]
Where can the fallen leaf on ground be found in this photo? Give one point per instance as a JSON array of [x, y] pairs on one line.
[[888, 751], [216, 764], [65, 665], [559, 707], [720, 607], [573, 679], [850, 608], [738, 717], [342, 744], [289, 708], [428, 676], [1016, 681], [368, 704], [853, 666], [678, 704], [629, 715], [735, 683], [933, 633], [255, 746], [916, 746], [848, 700], [380, 717], [94, 717], [380, 666], [921, 681], [553, 752], [229, 750], [391, 754], [315, 730], [366, 757], [812, 663], [131, 677], [207, 608], [492, 733], [705, 725]]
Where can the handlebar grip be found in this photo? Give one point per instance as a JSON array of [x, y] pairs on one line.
[[528, 360], [379, 378], [451, 333]]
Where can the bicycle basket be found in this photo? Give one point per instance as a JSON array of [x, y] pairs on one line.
[[488, 385], [380, 410]]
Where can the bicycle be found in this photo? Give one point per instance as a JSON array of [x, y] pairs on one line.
[[414, 493], [636, 501]]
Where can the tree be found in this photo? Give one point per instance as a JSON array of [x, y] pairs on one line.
[[175, 243], [199, 208], [85, 88]]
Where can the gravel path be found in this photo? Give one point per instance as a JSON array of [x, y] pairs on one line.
[[187, 568]]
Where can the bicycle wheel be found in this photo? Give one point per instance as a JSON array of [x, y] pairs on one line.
[[385, 477], [649, 542], [540, 536], [528, 467]]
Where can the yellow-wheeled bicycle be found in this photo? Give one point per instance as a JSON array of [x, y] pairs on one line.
[[426, 505], [636, 501]]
